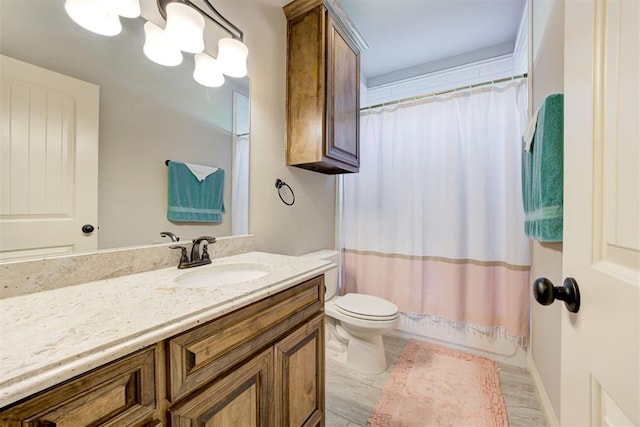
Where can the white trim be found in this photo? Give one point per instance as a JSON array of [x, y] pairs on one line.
[[476, 72], [521, 47], [364, 92], [547, 408], [339, 235]]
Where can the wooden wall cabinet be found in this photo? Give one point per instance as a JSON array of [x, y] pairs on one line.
[[261, 365], [323, 87]]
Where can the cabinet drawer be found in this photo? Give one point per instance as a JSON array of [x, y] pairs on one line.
[[201, 354], [119, 393]]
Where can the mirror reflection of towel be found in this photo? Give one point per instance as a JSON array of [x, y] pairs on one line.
[[192, 199], [201, 172]]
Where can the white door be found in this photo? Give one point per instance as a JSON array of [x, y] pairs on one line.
[[600, 344], [48, 161]]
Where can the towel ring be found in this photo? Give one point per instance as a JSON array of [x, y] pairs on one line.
[[279, 184]]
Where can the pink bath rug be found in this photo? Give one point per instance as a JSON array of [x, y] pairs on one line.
[[435, 386]]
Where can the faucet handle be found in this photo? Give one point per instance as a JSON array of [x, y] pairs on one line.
[[205, 251], [184, 258]]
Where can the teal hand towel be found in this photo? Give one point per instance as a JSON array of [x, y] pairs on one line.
[[192, 200], [542, 174]]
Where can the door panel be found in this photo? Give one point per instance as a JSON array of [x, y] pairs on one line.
[[49, 161], [600, 344], [344, 111], [299, 368], [242, 398]]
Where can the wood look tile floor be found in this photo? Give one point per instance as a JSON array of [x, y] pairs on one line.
[[351, 396]]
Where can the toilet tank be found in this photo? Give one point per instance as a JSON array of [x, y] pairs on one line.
[[331, 276]]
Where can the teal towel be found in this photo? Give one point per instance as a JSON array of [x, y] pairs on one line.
[[542, 174], [191, 200]]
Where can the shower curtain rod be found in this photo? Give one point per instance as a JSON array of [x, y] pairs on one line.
[[444, 92]]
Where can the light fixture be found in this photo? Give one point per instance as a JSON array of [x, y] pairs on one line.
[[207, 72], [94, 15], [124, 8], [184, 31], [232, 52], [232, 56], [185, 26], [159, 48]]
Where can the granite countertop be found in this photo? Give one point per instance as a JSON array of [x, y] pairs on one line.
[[51, 336]]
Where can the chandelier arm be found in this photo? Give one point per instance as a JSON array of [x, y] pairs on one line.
[[240, 34], [226, 25]]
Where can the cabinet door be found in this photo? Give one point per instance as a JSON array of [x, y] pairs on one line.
[[299, 376], [205, 352], [121, 393], [343, 83], [306, 88], [243, 398]]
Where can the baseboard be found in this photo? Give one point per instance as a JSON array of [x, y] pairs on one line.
[[549, 413]]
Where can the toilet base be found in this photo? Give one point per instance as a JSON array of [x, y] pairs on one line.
[[364, 355]]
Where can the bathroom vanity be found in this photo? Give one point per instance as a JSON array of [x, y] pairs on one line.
[[142, 350]]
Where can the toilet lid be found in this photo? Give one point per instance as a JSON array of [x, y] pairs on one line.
[[367, 307]]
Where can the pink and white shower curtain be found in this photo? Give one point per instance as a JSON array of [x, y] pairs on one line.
[[434, 220]]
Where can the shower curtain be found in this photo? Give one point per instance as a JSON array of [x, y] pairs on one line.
[[434, 220]]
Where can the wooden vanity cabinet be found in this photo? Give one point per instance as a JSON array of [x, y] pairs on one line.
[[280, 386], [260, 365], [121, 393], [280, 379], [323, 87]]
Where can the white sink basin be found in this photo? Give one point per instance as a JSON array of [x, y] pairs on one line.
[[222, 274]]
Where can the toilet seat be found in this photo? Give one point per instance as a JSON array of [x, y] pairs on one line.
[[366, 307]]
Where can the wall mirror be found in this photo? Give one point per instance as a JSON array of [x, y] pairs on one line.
[[147, 114]]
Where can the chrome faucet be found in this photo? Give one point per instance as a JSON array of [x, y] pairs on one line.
[[196, 258]]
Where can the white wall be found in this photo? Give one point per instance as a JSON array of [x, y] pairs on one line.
[[308, 224], [547, 78]]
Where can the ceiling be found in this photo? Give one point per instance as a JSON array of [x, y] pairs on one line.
[[408, 38]]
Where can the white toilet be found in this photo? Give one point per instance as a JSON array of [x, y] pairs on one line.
[[355, 323]]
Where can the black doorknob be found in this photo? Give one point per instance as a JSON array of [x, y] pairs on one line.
[[545, 293], [88, 228]]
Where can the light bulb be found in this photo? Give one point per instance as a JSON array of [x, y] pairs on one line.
[[185, 26], [158, 47], [232, 56], [93, 16], [125, 8], [207, 71]]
